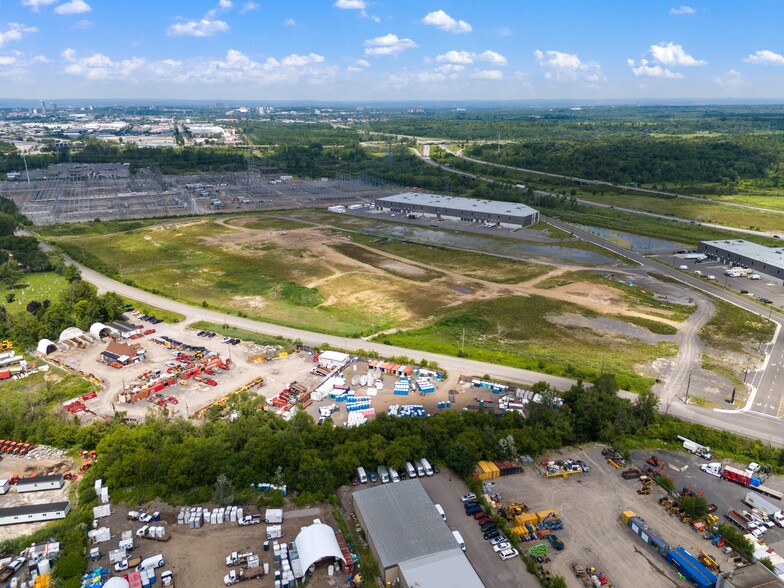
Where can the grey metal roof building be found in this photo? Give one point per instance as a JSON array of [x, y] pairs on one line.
[[40, 483], [403, 527], [765, 260], [32, 513], [448, 568], [508, 214]]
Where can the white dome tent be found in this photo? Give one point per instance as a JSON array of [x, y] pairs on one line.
[[71, 333], [317, 542], [45, 347], [117, 583], [100, 330]]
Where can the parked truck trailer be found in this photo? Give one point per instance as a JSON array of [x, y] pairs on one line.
[[754, 500]]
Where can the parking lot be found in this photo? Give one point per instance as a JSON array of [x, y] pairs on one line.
[[590, 506], [766, 287]]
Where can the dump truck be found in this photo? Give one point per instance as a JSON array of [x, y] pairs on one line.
[[631, 474], [754, 500]]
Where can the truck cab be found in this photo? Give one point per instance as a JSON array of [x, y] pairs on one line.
[[714, 469]]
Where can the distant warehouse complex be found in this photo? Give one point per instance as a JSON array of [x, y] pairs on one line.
[[506, 214], [410, 540], [765, 260]]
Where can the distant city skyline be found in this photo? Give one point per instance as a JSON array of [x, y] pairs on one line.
[[368, 50]]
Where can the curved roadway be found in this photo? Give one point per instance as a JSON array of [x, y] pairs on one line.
[[764, 427]]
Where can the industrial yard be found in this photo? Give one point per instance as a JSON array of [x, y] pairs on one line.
[[590, 505], [83, 192], [214, 542]]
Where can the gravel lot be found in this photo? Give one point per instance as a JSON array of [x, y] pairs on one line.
[[590, 506], [685, 469], [197, 556], [25, 467]]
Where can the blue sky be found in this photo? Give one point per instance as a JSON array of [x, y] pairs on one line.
[[391, 49]]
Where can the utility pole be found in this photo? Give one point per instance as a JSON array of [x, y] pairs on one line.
[[688, 385], [462, 343]]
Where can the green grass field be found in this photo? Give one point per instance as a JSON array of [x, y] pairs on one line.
[[475, 265], [38, 286], [515, 331], [737, 330], [707, 211], [323, 283]]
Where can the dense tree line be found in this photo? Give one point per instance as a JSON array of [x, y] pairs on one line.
[[168, 160], [639, 159]]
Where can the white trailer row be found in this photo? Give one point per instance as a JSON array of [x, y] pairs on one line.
[[197, 516]]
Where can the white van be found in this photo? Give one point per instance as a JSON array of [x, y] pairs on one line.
[[361, 475], [383, 474], [393, 475], [419, 468], [150, 563], [426, 465], [459, 539], [441, 512], [410, 470]]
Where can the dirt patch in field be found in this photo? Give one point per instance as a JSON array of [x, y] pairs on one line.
[[399, 267], [608, 325]]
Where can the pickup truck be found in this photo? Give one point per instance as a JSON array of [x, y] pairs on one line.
[[241, 575], [249, 520]]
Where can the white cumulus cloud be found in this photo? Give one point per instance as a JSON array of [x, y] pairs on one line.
[[492, 57], [467, 57], [101, 67], [731, 80], [453, 56], [673, 54], [682, 9], [487, 74], [765, 56], [289, 22], [441, 20], [350, 4], [450, 68], [15, 32], [73, 7], [388, 45], [197, 28], [300, 60], [35, 5], [7, 59], [645, 69], [568, 67], [248, 6]]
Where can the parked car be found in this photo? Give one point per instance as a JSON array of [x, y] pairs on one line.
[[502, 546], [508, 554], [473, 510], [491, 534], [500, 539], [467, 497], [354, 479], [373, 477]]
